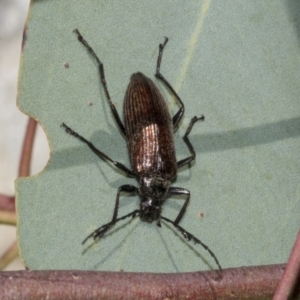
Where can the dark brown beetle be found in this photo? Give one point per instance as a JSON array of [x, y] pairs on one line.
[[149, 131]]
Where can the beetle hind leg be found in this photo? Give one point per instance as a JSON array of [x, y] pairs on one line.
[[177, 117], [103, 80]]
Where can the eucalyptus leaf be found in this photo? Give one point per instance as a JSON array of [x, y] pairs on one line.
[[235, 62]]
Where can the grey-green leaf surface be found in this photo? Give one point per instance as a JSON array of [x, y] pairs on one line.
[[235, 62]]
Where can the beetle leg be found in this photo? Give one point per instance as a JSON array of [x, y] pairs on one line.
[[177, 117], [124, 188], [188, 236], [180, 191], [99, 232], [158, 223], [103, 81], [188, 143], [98, 152]]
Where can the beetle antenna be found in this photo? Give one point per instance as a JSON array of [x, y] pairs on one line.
[[188, 236], [99, 232]]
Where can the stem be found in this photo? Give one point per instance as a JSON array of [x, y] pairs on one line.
[[289, 277], [9, 256], [240, 283], [8, 217], [24, 169], [7, 203]]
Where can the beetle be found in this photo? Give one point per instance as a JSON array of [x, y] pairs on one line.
[[149, 131]]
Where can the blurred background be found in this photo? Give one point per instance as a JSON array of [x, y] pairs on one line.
[[13, 15]]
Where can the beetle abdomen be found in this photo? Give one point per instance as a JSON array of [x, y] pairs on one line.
[[149, 129]]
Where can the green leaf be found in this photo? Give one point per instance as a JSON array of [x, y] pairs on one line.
[[237, 63]]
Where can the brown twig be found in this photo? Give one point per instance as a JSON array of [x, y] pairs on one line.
[[8, 218], [7, 215], [7, 203], [241, 283], [9, 256], [290, 274], [24, 168]]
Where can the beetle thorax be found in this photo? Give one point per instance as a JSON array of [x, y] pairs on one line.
[[153, 192]]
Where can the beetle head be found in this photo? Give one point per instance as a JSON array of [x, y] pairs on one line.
[[153, 192]]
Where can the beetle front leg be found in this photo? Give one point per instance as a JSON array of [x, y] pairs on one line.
[[187, 235], [180, 191], [99, 232]]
